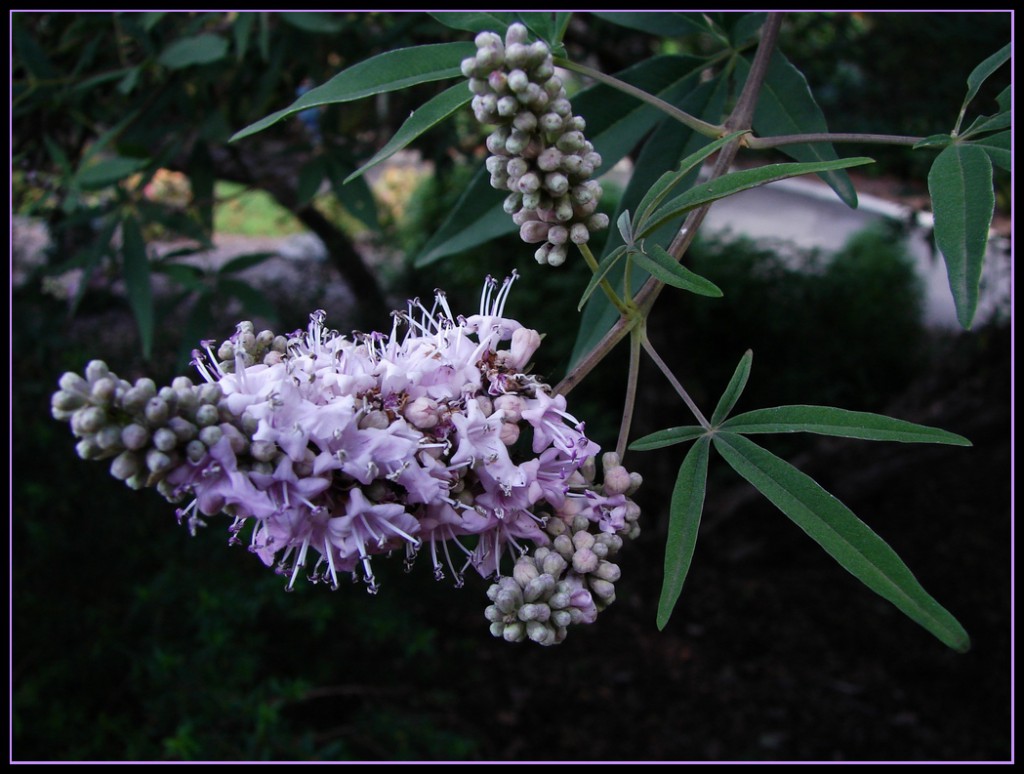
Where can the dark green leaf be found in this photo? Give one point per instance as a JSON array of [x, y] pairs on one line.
[[253, 300], [684, 522], [311, 174], [108, 171], [981, 73], [934, 141], [91, 257], [29, 54], [615, 119], [243, 262], [786, 106], [660, 24], [242, 30], [385, 72], [197, 50], [825, 420], [734, 389], [428, 115], [657, 192], [606, 264], [987, 124], [190, 277], [668, 437], [997, 146], [317, 22], [201, 178], [356, 197], [960, 184], [540, 23], [667, 144], [476, 218], [150, 19], [562, 19], [197, 326], [475, 21], [1004, 99], [741, 181], [625, 228], [130, 81], [746, 28], [660, 264], [843, 536], [137, 281]]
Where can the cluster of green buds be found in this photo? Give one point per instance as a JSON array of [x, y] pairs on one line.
[[573, 579], [146, 431], [538, 150]]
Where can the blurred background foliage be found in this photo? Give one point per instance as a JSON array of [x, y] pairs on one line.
[[132, 641]]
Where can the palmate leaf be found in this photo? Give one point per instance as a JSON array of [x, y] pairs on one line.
[[963, 200], [843, 536], [825, 420], [997, 146], [980, 74], [385, 72], [684, 521]]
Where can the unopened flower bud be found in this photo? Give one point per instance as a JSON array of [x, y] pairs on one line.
[[125, 465], [157, 461], [557, 235], [539, 588], [608, 571], [422, 413], [164, 439], [584, 560], [88, 420], [518, 80], [540, 633], [557, 255], [509, 433], [597, 222], [534, 231], [534, 612], [579, 234], [603, 590], [195, 450], [134, 436], [96, 370], [514, 632], [525, 570], [516, 33]]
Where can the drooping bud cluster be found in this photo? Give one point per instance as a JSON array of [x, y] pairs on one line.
[[538, 150], [355, 447], [573, 579]]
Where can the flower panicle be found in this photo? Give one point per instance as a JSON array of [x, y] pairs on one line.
[[539, 152], [329, 450]]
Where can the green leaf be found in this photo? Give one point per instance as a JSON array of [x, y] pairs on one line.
[[960, 184], [615, 119], [201, 177], [664, 185], [243, 262], [981, 73], [658, 263], [311, 174], [150, 19], [684, 522], [356, 197], [540, 23], [28, 53], [197, 325], [242, 30], [476, 218], [741, 181], [475, 21], [385, 72], [252, 299], [667, 144], [197, 50], [747, 27], [934, 141], [429, 114], [825, 420], [317, 22], [988, 124], [786, 106], [997, 146], [843, 536], [137, 281], [660, 24], [1004, 99], [606, 265], [190, 277], [734, 389], [108, 171], [667, 437]]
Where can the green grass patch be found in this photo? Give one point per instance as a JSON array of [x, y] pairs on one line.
[[241, 210]]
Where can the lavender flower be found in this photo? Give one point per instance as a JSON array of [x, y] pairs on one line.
[[333, 450]]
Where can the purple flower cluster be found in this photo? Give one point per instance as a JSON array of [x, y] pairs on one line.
[[433, 438]]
